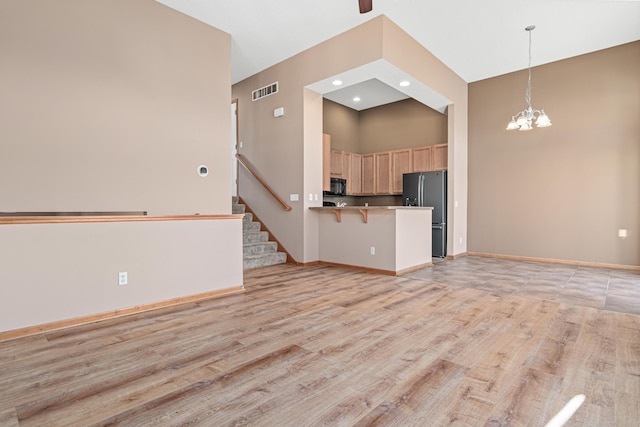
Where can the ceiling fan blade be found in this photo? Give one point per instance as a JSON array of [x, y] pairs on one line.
[[365, 5]]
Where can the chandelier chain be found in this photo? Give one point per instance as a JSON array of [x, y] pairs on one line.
[[528, 93]]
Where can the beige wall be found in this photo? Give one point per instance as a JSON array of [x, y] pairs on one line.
[[276, 146], [560, 192], [402, 124], [343, 124], [54, 272], [112, 105], [401, 238]]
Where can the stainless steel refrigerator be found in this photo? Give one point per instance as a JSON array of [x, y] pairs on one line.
[[429, 189]]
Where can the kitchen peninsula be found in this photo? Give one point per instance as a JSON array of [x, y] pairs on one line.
[[385, 239]]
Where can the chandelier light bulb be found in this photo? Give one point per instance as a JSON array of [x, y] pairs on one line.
[[543, 120], [512, 124], [525, 126], [524, 119]]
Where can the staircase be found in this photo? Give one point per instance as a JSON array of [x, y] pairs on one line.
[[258, 251]]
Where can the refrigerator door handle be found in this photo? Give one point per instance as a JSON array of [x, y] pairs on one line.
[[420, 187]]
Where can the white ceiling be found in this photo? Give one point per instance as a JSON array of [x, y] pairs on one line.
[[477, 39], [367, 94]]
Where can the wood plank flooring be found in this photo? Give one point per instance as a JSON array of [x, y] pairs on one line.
[[463, 343]]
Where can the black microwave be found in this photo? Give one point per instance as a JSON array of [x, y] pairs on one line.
[[338, 187]]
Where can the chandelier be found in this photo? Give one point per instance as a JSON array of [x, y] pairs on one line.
[[524, 119]]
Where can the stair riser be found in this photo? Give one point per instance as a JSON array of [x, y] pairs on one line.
[[264, 260], [261, 236], [250, 226], [237, 209], [260, 248]]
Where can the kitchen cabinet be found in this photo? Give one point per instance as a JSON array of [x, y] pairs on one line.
[[326, 162], [337, 164], [354, 178], [368, 173], [440, 155], [378, 173], [400, 164], [382, 173], [421, 159]]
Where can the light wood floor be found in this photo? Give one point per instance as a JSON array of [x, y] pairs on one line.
[[327, 346]]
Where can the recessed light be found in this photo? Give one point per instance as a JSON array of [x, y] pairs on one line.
[[337, 82], [356, 99], [405, 83]]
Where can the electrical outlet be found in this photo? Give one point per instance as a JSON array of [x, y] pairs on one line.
[[123, 278], [373, 250], [294, 197], [622, 233]]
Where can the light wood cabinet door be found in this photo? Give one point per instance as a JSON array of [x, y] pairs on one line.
[[326, 162], [400, 164], [421, 159], [440, 153], [354, 180], [337, 164], [368, 174], [383, 173]]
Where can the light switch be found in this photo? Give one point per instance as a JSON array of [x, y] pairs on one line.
[[293, 197]]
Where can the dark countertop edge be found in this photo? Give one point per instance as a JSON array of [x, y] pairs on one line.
[[370, 208]]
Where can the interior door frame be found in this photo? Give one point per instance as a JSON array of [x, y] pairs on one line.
[[234, 147]]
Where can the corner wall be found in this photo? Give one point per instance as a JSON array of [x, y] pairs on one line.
[[560, 192]]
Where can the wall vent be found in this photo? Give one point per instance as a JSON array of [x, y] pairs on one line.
[[264, 91]]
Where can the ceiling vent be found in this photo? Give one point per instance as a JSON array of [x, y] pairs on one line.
[[264, 91]]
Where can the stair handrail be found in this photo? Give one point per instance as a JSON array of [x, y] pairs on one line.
[[248, 167]]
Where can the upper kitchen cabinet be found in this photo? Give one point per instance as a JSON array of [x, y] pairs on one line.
[[429, 158], [440, 157], [422, 159], [354, 178], [368, 174], [382, 175], [337, 164], [401, 163]]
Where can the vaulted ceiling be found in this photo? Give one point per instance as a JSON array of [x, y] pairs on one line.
[[476, 39]]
